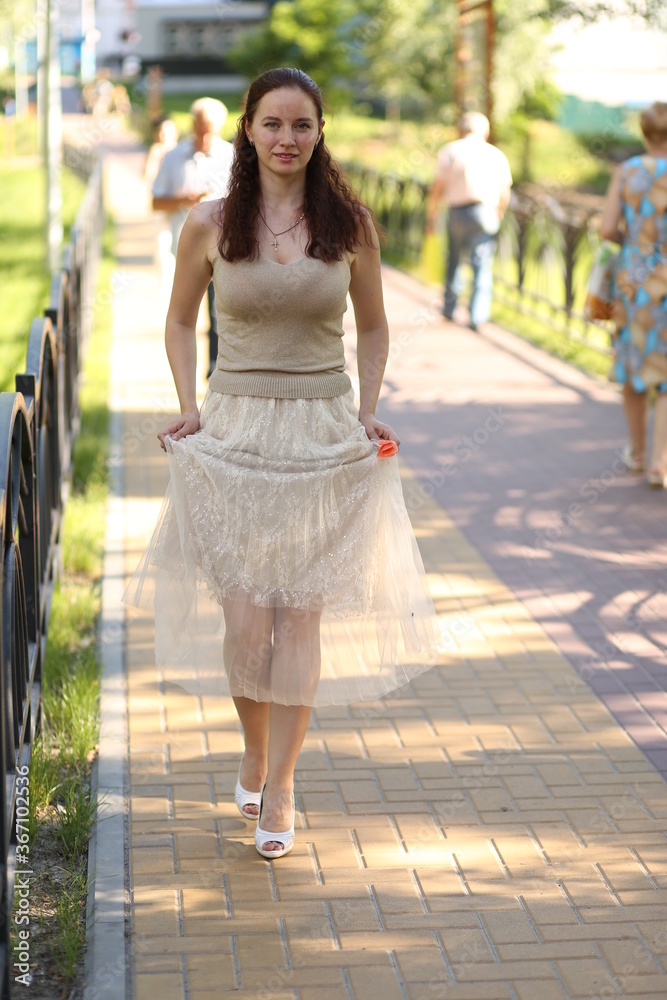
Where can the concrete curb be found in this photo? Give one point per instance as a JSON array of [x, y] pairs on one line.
[[106, 958]]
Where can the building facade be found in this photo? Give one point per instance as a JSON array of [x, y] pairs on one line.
[[191, 42]]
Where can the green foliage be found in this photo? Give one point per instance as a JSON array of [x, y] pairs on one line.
[[544, 102], [557, 158], [319, 38], [544, 153], [520, 55], [18, 136], [408, 52], [405, 148], [653, 12], [396, 53], [17, 18]]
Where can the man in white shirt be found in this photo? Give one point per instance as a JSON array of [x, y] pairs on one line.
[[474, 179], [196, 169]]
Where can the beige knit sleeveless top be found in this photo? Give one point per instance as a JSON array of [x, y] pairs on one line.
[[280, 327]]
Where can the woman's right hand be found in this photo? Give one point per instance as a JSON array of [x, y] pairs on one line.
[[187, 423]]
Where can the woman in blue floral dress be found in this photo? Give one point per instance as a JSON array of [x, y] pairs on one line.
[[635, 215]]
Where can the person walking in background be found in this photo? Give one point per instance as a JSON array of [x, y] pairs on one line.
[[196, 169], [635, 215], [286, 569], [164, 134], [474, 179]]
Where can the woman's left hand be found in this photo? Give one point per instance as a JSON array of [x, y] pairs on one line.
[[376, 430]]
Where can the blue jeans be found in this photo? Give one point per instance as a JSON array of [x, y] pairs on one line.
[[471, 232]]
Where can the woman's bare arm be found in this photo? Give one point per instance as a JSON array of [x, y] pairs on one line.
[[372, 331], [191, 279]]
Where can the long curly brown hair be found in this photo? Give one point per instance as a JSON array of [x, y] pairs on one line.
[[331, 209]]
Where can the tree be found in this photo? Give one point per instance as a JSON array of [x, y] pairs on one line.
[[401, 52], [654, 12], [408, 53], [18, 18], [317, 37], [521, 53]]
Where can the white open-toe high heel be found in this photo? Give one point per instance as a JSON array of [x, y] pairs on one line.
[[244, 798], [656, 479], [286, 837]]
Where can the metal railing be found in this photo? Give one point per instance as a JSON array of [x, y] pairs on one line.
[[545, 246], [38, 423], [545, 251], [399, 205]]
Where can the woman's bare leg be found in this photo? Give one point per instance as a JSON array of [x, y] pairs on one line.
[[636, 414], [287, 730], [659, 445], [254, 716], [295, 671], [247, 654]]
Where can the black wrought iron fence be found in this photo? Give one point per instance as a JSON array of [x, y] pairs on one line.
[[545, 250], [38, 423], [399, 205], [545, 246]]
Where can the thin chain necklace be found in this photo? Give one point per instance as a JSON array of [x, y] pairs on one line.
[[274, 244]]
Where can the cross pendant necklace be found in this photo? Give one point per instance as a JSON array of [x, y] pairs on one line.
[[274, 242]]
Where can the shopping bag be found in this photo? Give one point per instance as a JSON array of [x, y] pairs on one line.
[[599, 302], [432, 258]]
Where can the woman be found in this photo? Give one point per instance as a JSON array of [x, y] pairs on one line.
[[286, 571], [635, 215]]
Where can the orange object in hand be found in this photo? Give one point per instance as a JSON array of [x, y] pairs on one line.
[[387, 448]]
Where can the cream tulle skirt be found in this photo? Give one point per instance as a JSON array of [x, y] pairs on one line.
[[283, 566]]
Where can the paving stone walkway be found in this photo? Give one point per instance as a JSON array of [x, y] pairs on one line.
[[497, 829]]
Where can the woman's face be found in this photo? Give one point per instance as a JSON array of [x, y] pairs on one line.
[[284, 130]]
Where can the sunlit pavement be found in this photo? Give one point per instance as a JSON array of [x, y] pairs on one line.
[[497, 829]]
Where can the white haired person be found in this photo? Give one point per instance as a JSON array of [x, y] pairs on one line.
[[196, 169], [286, 573], [474, 179]]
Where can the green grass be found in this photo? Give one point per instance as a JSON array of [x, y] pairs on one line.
[[566, 345], [77, 809], [18, 137], [44, 783], [553, 156], [407, 149], [24, 282], [71, 920]]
